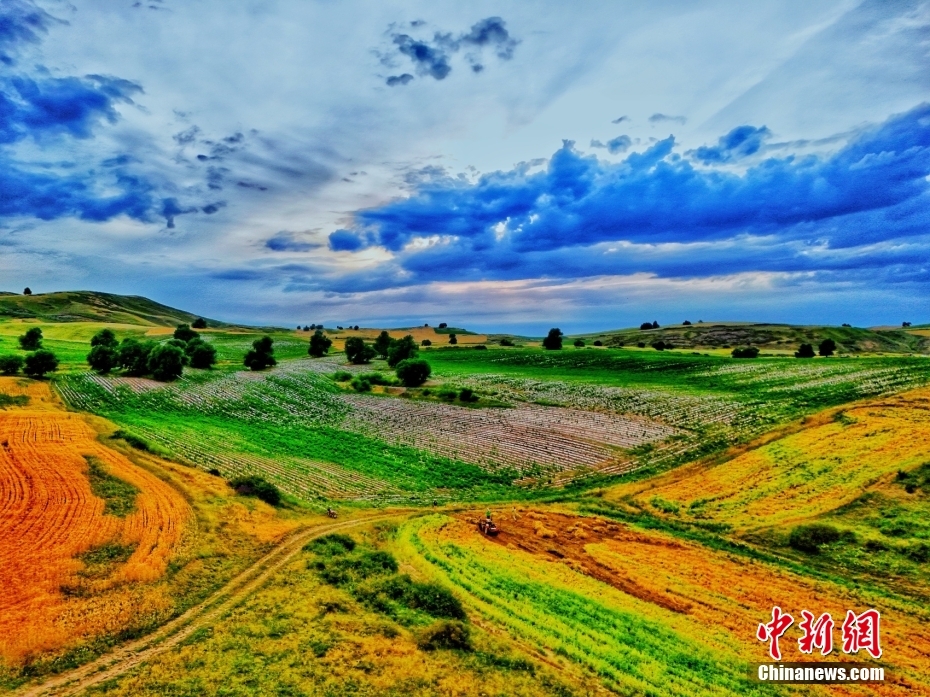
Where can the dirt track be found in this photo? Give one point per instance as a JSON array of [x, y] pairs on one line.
[[173, 633]]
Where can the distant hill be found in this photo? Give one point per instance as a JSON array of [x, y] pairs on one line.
[[769, 337], [90, 306]]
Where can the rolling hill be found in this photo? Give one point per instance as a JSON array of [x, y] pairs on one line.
[[91, 306]]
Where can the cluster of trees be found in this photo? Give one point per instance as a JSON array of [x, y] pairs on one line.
[[827, 347], [319, 344], [649, 325], [401, 354], [261, 355], [163, 361], [553, 340], [745, 352], [37, 364]]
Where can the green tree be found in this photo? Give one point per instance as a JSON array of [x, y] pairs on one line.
[[10, 364], [745, 352], [253, 485], [426, 342], [401, 350], [413, 372], [453, 339], [103, 359], [166, 362], [804, 351], [31, 340], [261, 355], [553, 341], [579, 343], [827, 347], [27, 291], [133, 356], [201, 354], [319, 344], [40, 363], [383, 344], [185, 333], [105, 337], [358, 352], [199, 323]]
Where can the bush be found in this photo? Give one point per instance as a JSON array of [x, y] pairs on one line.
[[553, 340], [256, 486], [199, 323], [262, 354], [827, 347], [105, 337], [466, 394], [332, 544], [446, 634], [579, 343], [103, 358], [361, 385], [401, 350], [810, 538], [185, 333], [319, 344], [426, 342], [133, 356], [38, 364], [506, 342], [598, 343], [641, 344], [745, 352], [413, 372], [201, 354], [133, 440], [31, 340], [804, 351], [481, 347], [166, 362], [447, 394], [686, 323], [383, 344], [342, 376], [453, 339], [660, 345], [10, 364], [358, 352]]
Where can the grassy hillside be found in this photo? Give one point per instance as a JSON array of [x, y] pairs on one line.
[[768, 337], [91, 306]]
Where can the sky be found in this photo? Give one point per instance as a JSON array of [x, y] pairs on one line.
[[495, 165]]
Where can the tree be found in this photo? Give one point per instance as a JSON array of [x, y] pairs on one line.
[[426, 342], [10, 365], [185, 333], [804, 351], [598, 343], [166, 362], [453, 339], [319, 344], [443, 325], [827, 347], [660, 345], [506, 342], [182, 346], [27, 291], [199, 323], [261, 355], [655, 325], [103, 358], [382, 344], [31, 340], [686, 323], [645, 325], [401, 350], [579, 343], [553, 341], [133, 356], [357, 351], [105, 337], [201, 354], [38, 364], [745, 352], [413, 372]]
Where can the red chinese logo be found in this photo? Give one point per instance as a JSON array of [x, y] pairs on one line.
[[862, 632], [817, 634], [773, 631], [859, 632]]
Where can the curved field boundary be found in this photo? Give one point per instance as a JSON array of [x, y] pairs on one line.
[[135, 653]]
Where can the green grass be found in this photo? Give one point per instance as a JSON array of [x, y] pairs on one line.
[[119, 497], [13, 400]]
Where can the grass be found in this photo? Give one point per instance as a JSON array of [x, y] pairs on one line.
[[7, 400], [119, 497]]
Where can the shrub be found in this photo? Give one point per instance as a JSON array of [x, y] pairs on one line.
[[31, 340], [358, 352], [133, 356], [553, 340], [103, 358], [446, 634], [133, 440], [202, 355], [506, 342], [166, 362], [332, 544], [447, 394], [105, 337], [660, 345], [579, 343], [598, 343], [810, 538], [686, 323], [199, 323], [401, 350], [361, 385], [253, 485], [342, 376], [645, 325], [453, 339], [641, 344], [38, 364], [319, 344], [804, 351], [827, 347], [745, 352], [10, 364], [481, 347], [426, 342], [261, 355], [466, 394], [413, 372], [185, 333]]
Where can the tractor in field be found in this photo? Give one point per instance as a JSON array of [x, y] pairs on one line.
[[486, 526]]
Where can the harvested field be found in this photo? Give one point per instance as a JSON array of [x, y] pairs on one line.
[[50, 517]]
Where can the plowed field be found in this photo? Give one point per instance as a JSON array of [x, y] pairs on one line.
[[49, 516]]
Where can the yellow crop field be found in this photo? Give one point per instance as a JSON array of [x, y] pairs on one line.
[[50, 517], [829, 463]]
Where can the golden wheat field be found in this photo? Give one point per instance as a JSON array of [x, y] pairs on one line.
[[50, 517]]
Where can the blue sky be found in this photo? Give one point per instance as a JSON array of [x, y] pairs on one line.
[[497, 165]]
